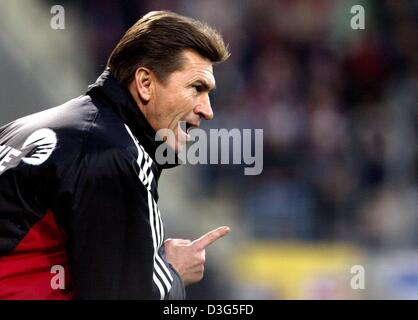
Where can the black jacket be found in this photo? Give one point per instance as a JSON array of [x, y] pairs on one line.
[[78, 189]]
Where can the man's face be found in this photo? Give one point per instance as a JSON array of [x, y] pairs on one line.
[[184, 96]]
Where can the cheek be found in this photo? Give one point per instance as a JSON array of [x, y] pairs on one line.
[[173, 105], [184, 104], [166, 105]]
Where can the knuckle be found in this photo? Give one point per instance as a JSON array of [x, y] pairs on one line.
[[200, 276], [200, 259]]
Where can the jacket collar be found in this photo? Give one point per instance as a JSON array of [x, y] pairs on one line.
[[108, 90]]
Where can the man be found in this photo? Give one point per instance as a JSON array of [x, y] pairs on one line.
[[78, 183]]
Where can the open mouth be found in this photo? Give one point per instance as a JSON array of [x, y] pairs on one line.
[[189, 126], [185, 132]]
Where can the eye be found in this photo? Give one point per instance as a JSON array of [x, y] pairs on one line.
[[198, 87]]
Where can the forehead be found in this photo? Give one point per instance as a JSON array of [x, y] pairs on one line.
[[195, 67]]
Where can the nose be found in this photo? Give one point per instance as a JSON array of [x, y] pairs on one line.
[[204, 109]]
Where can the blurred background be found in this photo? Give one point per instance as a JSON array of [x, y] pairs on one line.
[[340, 116]]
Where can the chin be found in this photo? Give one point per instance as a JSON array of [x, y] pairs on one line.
[[176, 144], [179, 147]]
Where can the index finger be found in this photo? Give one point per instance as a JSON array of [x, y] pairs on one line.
[[210, 237]]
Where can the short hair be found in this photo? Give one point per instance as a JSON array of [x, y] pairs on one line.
[[157, 40]]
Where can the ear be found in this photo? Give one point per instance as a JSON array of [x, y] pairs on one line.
[[143, 84]]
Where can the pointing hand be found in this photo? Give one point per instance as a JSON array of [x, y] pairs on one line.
[[188, 257]]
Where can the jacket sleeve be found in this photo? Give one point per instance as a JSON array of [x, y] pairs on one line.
[[113, 241]]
